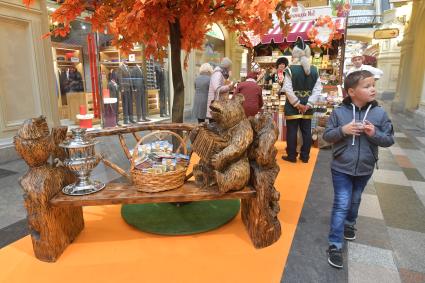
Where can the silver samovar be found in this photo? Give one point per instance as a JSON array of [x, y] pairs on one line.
[[81, 159]]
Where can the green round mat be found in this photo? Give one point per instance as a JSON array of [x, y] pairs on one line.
[[190, 218]]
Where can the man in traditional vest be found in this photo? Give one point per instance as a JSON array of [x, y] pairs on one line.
[[302, 87]]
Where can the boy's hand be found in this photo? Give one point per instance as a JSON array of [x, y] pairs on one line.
[[351, 129], [369, 128]]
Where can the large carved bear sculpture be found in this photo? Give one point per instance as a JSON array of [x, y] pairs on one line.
[[225, 160]]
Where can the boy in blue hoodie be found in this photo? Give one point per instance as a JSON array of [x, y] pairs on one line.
[[355, 129]]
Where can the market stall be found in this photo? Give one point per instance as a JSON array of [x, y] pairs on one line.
[[325, 34]]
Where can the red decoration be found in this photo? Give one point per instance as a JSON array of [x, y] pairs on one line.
[[83, 110]]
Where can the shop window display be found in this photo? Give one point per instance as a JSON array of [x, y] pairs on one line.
[[72, 68], [140, 86], [129, 89]]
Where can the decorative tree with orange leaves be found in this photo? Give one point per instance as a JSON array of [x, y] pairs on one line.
[[180, 23]]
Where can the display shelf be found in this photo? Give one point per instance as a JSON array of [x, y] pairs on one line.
[[266, 63], [117, 63], [67, 63], [153, 101]]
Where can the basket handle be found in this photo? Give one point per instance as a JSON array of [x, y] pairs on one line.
[[159, 135]]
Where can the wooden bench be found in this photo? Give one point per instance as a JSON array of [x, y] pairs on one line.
[[121, 193], [55, 219]]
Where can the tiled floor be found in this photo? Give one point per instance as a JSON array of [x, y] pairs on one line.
[[5, 173], [390, 243]]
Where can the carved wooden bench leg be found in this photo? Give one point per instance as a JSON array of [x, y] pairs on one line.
[[52, 229], [260, 214]]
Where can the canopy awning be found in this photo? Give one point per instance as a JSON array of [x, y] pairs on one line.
[[298, 29]]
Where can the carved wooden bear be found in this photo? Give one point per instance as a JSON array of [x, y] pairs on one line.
[[265, 230], [224, 161]]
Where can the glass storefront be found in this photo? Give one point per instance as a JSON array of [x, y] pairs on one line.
[[98, 85]]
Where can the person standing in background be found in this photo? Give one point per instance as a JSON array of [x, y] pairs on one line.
[[277, 74], [358, 60], [302, 87], [202, 84], [252, 93], [218, 88]]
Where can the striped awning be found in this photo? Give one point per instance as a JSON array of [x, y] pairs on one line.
[[298, 29]]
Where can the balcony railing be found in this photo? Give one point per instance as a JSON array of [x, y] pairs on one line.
[[365, 21]]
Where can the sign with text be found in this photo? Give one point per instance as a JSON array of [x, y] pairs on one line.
[[300, 13], [387, 33]]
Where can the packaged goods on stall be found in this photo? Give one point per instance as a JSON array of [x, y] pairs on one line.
[[157, 158]]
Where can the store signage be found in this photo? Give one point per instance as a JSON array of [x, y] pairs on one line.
[[300, 13], [75, 59], [387, 33], [132, 57]]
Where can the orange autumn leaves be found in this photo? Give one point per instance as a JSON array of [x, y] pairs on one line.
[[148, 21]]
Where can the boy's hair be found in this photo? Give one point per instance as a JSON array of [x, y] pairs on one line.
[[353, 79]]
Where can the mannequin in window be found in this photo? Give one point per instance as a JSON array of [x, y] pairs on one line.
[[125, 88], [167, 91], [160, 84], [75, 80], [139, 92], [64, 84], [113, 88]]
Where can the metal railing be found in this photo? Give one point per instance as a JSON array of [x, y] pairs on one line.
[[365, 21]]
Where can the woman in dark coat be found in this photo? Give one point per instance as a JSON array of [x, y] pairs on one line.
[[202, 84]]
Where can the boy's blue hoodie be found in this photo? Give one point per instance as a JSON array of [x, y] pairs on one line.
[[358, 159]]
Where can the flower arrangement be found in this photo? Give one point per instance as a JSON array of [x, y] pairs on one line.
[[340, 8], [323, 32]]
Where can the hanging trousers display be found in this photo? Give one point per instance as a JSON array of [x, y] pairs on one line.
[[139, 92], [167, 91], [161, 86], [114, 93], [124, 81]]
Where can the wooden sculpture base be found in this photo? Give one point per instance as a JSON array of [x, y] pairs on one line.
[[52, 229]]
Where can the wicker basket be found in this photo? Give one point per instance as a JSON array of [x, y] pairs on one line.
[[152, 183]]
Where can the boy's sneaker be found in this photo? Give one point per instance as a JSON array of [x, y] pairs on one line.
[[349, 232], [335, 256]]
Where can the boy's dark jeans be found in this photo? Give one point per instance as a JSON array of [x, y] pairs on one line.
[[348, 190], [291, 138]]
